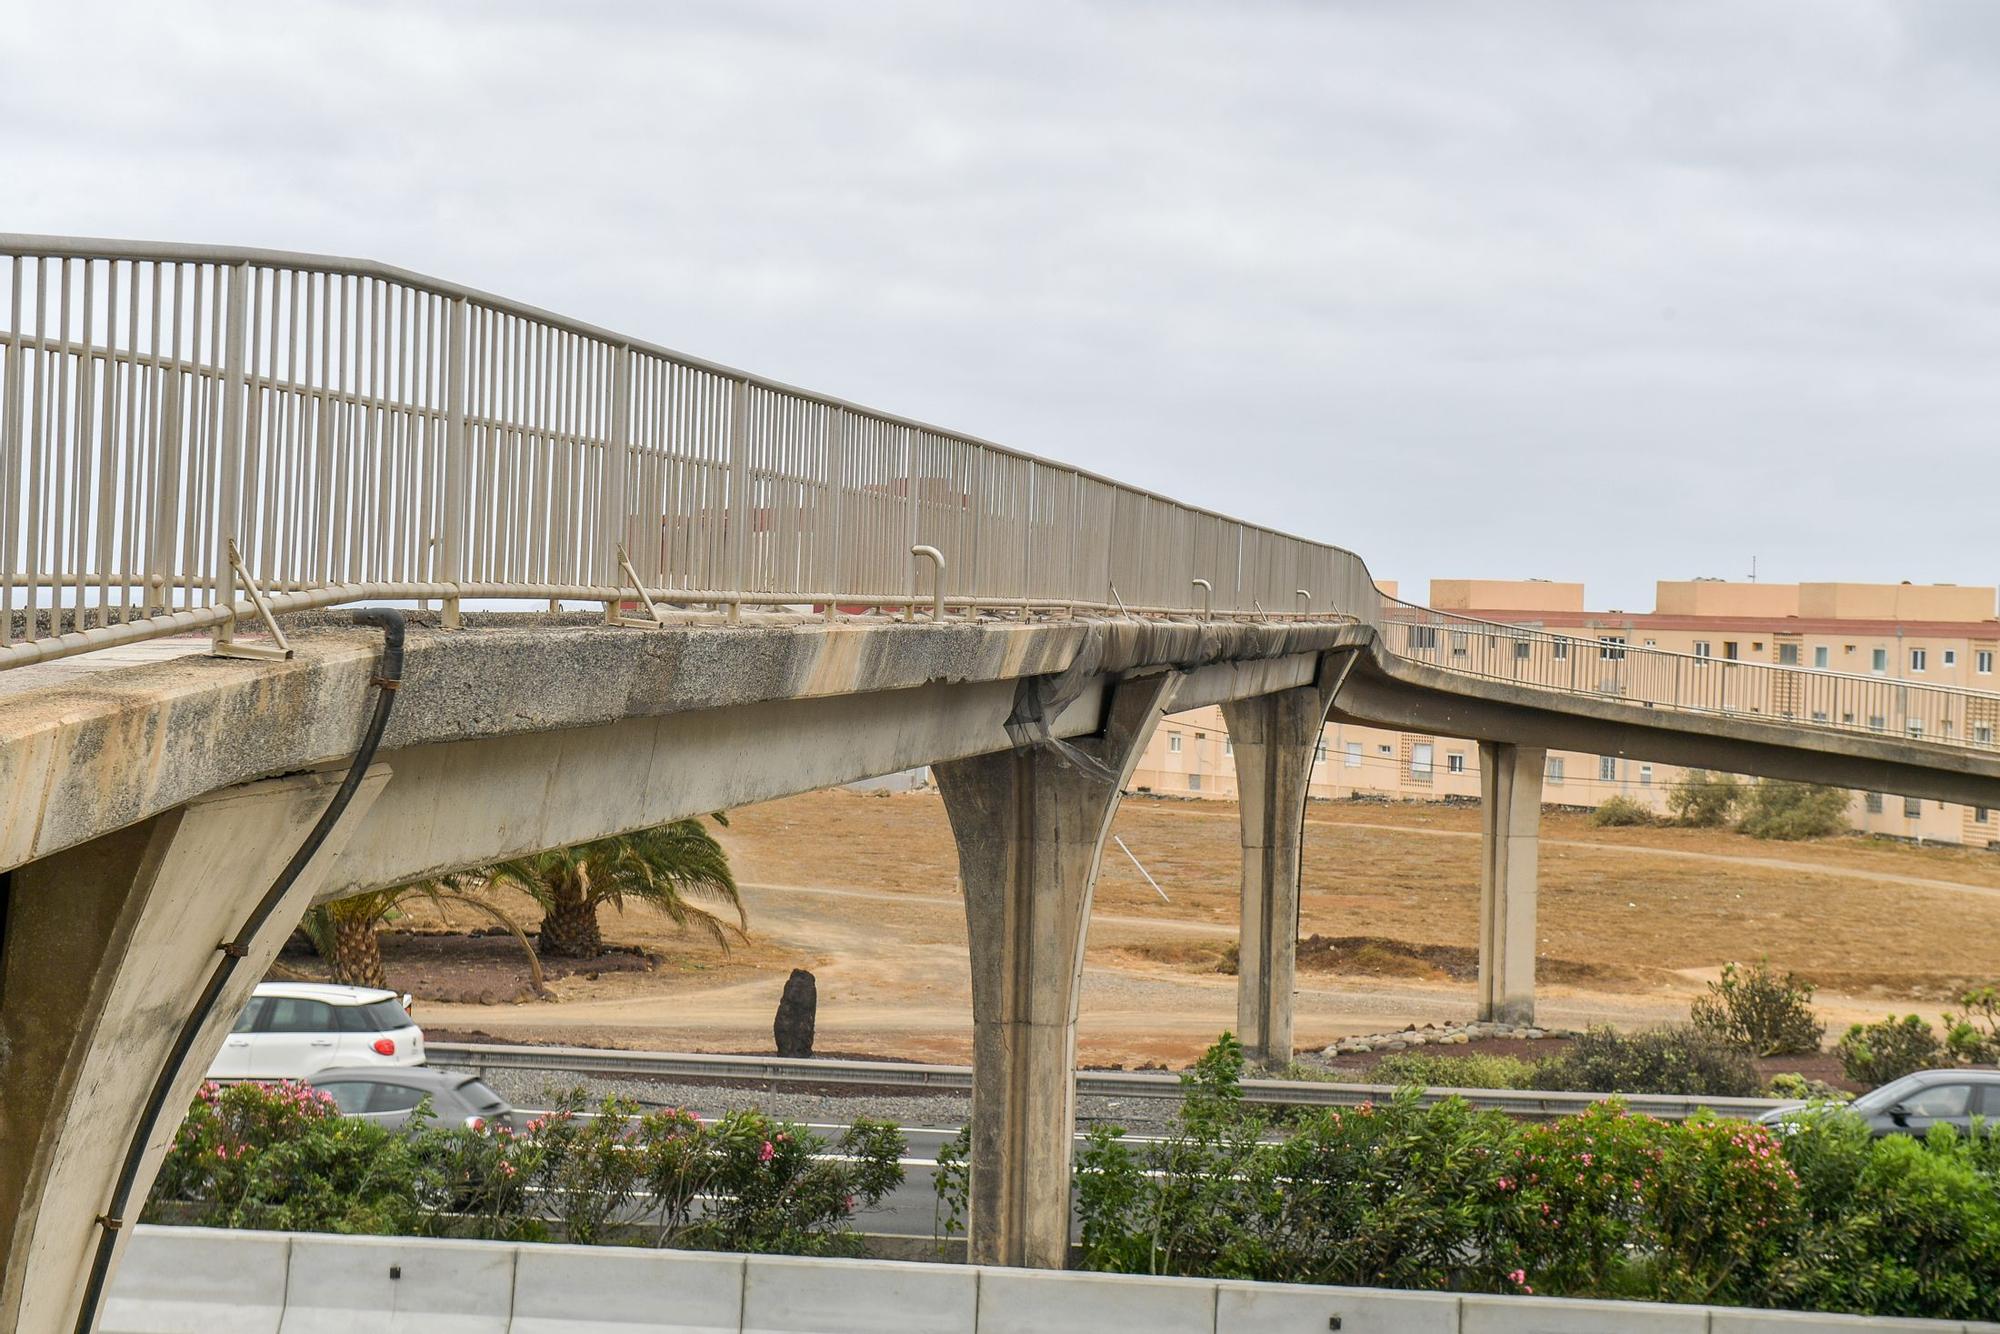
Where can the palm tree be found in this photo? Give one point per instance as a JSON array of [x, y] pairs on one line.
[[344, 931], [666, 867]]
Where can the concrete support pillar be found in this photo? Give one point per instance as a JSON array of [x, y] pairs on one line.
[[1030, 825], [104, 951], [1510, 785], [1275, 739]]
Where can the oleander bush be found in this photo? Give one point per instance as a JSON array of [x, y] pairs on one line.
[[279, 1156], [1759, 1011], [1817, 1216]]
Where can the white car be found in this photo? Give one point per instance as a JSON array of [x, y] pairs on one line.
[[293, 1029]]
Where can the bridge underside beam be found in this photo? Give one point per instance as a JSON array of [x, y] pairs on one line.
[[1276, 738], [1030, 825], [106, 949]]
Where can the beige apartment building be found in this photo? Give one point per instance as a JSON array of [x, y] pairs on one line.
[[1938, 634]]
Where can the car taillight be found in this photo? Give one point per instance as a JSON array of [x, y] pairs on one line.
[[385, 1046], [475, 1123]]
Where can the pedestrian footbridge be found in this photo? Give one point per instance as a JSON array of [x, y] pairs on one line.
[[637, 586]]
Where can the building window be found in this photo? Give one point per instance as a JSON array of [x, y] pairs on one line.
[[1701, 648], [1729, 647], [1820, 658], [1912, 808], [1555, 770], [1353, 760], [1454, 762], [1559, 648], [1982, 662], [1423, 638], [1173, 743], [1877, 723], [1319, 752], [1229, 747], [1194, 782], [1652, 643], [1819, 715], [1881, 661], [1916, 730], [1983, 733], [1458, 643], [1980, 814], [1607, 768], [1951, 657], [1386, 750], [1522, 648], [1874, 803], [1420, 761], [1611, 647], [1645, 775], [1918, 657], [1788, 655]]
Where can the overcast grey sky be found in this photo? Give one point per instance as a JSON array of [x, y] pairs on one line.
[[1596, 291]]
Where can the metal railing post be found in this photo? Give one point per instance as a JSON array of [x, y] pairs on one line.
[[739, 493], [617, 462], [836, 502], [229, 491], [457, 478]]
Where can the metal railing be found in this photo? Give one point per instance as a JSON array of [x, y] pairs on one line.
[[1602, 663], [192, 436], [181, 425]]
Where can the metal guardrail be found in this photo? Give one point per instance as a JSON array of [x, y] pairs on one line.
[[914, 1078], [1604, 664], [184, 425]]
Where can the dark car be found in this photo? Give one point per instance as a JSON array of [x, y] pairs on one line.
[[1913, 1104], [388, 1095]]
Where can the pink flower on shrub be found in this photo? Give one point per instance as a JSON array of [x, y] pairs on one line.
[[767, 1153], [1519, 1278]]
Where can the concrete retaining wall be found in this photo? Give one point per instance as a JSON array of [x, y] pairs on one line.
[[207, 1281]]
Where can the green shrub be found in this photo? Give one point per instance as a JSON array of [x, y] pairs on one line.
[[1759, 1011], [1436, 1070], [1791, 811], [1797, 1087], [1889, 1049], [1663, 1060], [1973, 1038], [280, 1156], [1621, 811], [1895, 1226], [1703, 800]]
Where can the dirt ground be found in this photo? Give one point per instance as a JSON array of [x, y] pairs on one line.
[[861, 889]]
